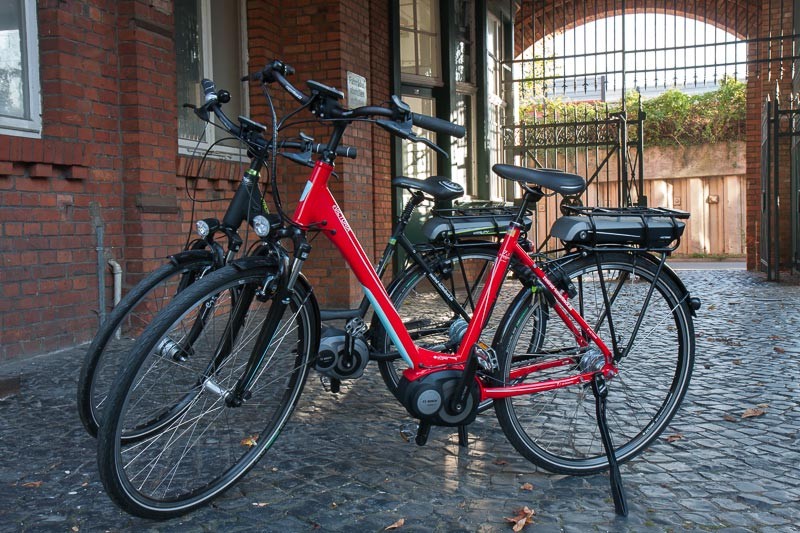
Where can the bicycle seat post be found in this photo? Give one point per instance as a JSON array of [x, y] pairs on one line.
[[532, 195]]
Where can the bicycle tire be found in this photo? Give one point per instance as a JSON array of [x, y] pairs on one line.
[[425, 313], [115, 337], [557, 430], [175, 478]]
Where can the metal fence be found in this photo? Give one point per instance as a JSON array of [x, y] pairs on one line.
[[599, 142], [780, 141]]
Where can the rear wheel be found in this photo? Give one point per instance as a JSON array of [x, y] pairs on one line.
[[557, 429], [193, 443], [115, 338]]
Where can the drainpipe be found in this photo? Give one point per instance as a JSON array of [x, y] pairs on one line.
[[116, 269], [101, 271]]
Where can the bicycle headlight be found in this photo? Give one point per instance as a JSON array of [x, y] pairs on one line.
[[261, 225], [202, 228]]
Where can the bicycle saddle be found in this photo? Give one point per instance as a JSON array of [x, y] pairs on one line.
[[553, 179], [436, 186]]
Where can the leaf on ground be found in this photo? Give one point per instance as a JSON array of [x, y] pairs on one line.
[[500, 462], [729, 418], [753, 411], [778, 349], [250, 441], [32, 484], [396, 525], [711, 307], [523, 517], [75, 528], [526, 486], [737, 361], [333, 505], [260, 504], [762, 405], [674, 437]]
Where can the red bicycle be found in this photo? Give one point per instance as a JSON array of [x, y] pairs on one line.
[[608, 315]]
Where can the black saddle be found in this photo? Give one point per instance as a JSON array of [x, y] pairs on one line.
[[561, 182], [436, 186]]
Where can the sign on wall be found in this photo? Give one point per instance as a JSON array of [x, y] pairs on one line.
[[356, 90]]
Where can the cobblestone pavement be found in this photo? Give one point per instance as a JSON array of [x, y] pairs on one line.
[[342, 464]]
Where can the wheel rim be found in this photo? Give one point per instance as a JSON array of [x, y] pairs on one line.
[[204, 445], [559, 427]]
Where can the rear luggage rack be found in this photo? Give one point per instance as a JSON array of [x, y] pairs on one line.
[[651, 228]]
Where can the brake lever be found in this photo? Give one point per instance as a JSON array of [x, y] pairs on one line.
[[201, 112], [429, 143]]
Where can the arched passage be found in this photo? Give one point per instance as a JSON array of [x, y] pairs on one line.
[[765, 27]]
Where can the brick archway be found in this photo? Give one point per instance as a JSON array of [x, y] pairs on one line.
[[739, 17], [766, 28]]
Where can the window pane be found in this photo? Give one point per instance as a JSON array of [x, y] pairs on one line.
[[462, 149], [189, 50], [464, 32], [408, 54], [428, 56], [13, 85], [418, 160], [427, 19], [226, 55], [406, 13]]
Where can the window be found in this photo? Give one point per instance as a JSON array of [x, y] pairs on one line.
[[462, 160], [210, 43], [463, 113], [20, 107], [497, 106], [465, 29], [420, 46]]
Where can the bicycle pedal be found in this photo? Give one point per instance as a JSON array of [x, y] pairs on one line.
[[408, 431]]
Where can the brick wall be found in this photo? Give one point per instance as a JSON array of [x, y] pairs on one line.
[[108, 157], [56, 190]]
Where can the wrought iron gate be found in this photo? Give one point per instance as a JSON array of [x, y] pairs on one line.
[[780, 140], [551, 59], [603, 145]]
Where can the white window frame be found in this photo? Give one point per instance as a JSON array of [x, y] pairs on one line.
[[193, 147], [28, 127], [421, 79]]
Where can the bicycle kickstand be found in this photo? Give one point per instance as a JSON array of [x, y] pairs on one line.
[[463, 436], [600, 390]]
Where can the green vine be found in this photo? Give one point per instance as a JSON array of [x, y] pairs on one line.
[[672, 118]]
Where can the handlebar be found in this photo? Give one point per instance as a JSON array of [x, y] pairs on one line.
[[276, 71], [214, 104]]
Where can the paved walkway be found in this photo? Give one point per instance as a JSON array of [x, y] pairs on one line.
[[346, 467]]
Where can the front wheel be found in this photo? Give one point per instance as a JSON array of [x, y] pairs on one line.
[[198, 444], [557, 429]]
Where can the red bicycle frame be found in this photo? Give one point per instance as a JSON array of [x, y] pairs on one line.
[[318, 209]]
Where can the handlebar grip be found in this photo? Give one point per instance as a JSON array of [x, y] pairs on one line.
[[209, 89], [347, 151], [438, 125], [342, 150]]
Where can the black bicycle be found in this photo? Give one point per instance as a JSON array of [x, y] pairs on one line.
[[435, 290]]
